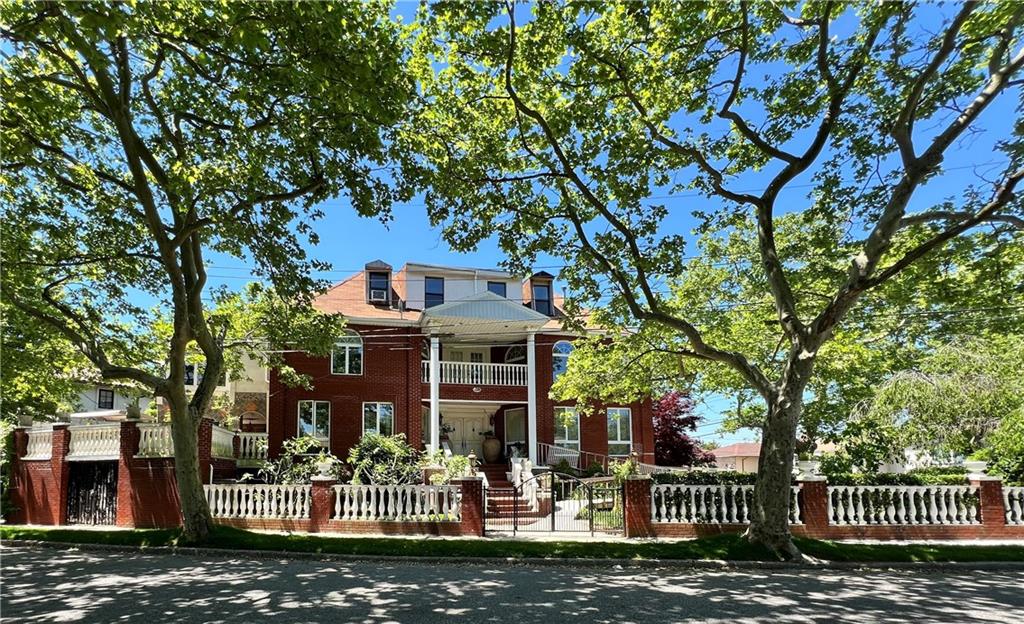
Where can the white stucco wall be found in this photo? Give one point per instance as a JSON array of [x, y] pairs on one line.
[[457, 284]]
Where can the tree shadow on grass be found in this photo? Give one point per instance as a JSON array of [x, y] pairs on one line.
[[49, 585]]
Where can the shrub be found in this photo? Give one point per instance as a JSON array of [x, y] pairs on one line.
[[705, 477], [594, 470], [297, 463], [924, 477], [385, 460], [454, 467], [1005, 449]]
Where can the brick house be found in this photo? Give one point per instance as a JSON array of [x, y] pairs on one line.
[[448, 354]]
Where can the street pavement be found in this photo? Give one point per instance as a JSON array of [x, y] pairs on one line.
[[51, 585]]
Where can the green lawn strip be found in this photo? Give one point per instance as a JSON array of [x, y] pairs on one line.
[[725, 547]]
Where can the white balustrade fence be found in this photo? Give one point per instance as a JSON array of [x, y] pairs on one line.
[[252, 446], [903, 504], [478, 373], [40, 443], [222, 442], [257, 501], [155, 440], [1013, 503], [710, 504], [397, 502], [94, 442]]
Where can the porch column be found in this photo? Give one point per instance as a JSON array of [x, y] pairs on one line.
[[435, 394], [531, 395]]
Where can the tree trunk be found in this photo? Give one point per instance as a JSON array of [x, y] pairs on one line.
[[195, 513], [772, 490]]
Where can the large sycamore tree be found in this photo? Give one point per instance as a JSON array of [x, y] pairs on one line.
[[812, 134], [139, 138]]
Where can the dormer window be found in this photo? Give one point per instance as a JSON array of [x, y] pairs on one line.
[[542, 299], [379, 286]]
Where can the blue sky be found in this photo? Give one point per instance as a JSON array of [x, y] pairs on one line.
[[348, 241]]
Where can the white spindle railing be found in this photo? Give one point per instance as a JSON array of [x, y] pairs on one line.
[[396, 502], [477, 373], [1013, 503], [222, 442], [903, 504], [94, 442], [256, 501], [711, 504], [40, 443], [155, 440], [252, 447]]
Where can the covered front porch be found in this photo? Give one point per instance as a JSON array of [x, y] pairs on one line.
[[469, 333]]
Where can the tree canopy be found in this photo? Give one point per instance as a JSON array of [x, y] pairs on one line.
[[142, 137], [810, 140]]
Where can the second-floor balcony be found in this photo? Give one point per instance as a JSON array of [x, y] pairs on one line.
[[477, 373]]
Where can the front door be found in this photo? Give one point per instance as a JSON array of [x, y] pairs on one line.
[[467, 436]]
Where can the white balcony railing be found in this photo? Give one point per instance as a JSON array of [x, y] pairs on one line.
[[252, 447], [94, 442], [40, 443], [155, 440], [222, 442], [478, 374]]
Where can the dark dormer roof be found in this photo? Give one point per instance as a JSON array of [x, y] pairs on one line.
[[378, 265]]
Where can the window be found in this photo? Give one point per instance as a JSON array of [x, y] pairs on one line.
[[378, 418], [190, 374], [515, 354], [620, 436], [193, 379], [315, 419], [347, 356], [105, 399], [560, 358], [379, 283], [433, 292], [498, 288], [567, 428], [542, 298]]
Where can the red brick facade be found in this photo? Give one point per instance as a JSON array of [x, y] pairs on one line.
[[392, 373]]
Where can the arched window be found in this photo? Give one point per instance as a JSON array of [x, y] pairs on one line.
[[347, 356], [560, 357], [516, 354]]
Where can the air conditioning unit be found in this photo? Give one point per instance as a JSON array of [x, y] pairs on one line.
[[379, 296]]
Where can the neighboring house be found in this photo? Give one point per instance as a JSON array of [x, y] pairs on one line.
[[246, 396], [741, 456], [431, 349], [93, 397]]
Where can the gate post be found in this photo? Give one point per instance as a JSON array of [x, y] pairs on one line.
[[637, 504], [472, 508], [60, 470], [321, 502], [125, 488]]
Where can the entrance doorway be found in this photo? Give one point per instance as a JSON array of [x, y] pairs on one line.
[[467, 434], [515, 431]]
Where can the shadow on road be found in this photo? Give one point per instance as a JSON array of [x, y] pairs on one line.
[[44, 585]]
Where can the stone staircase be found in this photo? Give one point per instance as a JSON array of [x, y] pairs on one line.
[[501, 497]]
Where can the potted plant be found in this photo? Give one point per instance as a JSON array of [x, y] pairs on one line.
[[806, 464], [492, 447]]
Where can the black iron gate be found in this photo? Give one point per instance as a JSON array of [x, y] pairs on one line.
[[556, 502], [92, 493]]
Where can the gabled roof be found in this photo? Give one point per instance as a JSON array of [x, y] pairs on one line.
[[378, 265], [739, 449]]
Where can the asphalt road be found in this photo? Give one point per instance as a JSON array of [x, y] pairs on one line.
[[46, 585]]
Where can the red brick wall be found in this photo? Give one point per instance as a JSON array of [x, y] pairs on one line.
[[392, 373]]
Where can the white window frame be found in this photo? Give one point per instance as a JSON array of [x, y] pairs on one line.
[[362, 415], [520, 360], [567, 442], [347, 347], [298, 420], [624, 421], [555, 355]]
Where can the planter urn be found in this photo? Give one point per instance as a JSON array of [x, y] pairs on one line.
[[492, 450]]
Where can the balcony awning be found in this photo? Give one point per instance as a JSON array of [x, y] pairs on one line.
[[484, 309]]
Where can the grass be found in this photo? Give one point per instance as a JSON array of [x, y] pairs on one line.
[[727, 547]]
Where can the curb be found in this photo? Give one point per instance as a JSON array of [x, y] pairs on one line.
[[647, 564]]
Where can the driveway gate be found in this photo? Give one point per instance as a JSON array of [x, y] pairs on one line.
[[92, 493], [556, 502]]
